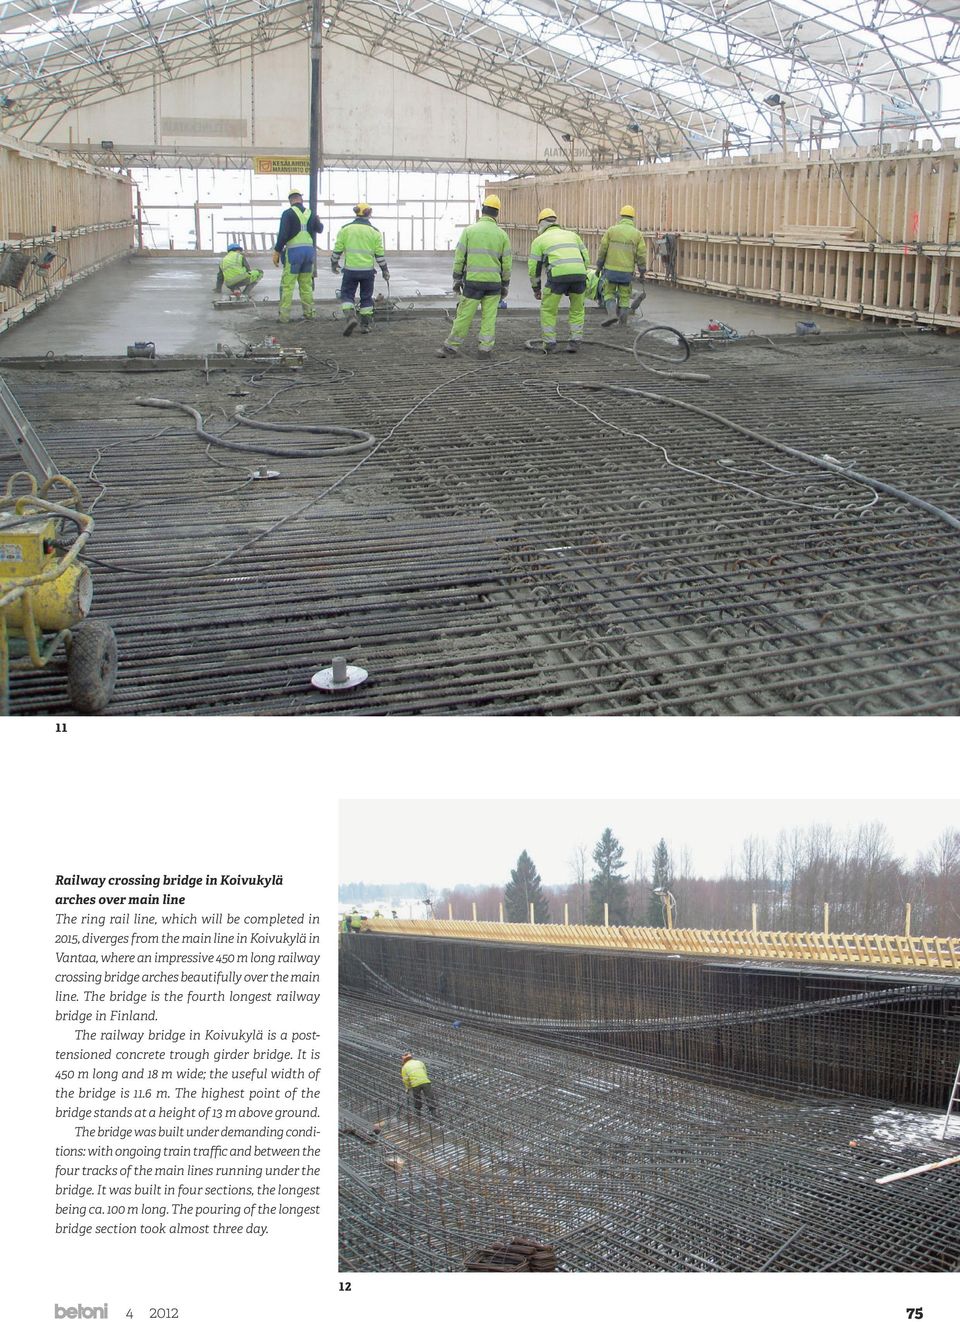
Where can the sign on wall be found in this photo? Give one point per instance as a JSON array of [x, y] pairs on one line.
[[281, 165]]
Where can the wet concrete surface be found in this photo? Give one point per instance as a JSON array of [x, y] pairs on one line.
[[170, 300]]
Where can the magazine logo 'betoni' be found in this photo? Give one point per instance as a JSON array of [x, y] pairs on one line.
[[79, 1310]]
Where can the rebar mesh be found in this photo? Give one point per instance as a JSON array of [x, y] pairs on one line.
[[890, 1036], [620, 1167], [523, 546]]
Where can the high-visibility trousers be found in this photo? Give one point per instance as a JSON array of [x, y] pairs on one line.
[[246, 280], [618, 287], [297, 273], [549, 306], [466, 311]]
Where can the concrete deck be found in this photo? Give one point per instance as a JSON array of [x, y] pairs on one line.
[[170, 300]]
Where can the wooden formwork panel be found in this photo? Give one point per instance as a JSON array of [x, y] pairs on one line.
[[870, 235], [80, 214]]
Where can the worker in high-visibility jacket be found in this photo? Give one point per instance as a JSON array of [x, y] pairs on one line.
[[359, 246], [356, 922], [416, 1081], [622, 251], [482, 264], [562, 255], [295, 247], [236, 272]]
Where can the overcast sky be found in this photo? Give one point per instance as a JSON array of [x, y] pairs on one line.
[[449, 843]]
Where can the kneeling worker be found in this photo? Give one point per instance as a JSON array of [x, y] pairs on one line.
[[565, 257], [482, 265], [236, 272], [416, 1081]]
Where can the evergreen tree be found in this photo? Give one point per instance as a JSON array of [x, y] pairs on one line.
[[608, 883], [662, 877], [522, 890]]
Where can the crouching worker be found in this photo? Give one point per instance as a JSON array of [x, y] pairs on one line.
[[235, 272], [416, 1081]]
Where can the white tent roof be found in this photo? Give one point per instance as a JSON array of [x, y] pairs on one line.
[[621, 77]]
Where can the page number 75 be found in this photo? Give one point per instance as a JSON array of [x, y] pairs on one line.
[[916, 1313]]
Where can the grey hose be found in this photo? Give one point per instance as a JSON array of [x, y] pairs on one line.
[[323, 429], [826, 461], [311, 452]]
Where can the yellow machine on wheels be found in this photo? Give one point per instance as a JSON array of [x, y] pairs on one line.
[[45, 591]]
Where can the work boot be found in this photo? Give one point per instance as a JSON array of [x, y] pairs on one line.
[[549, 346], [283, 318], [447, 351], [573, 346], [623, 315], [366, 325], [485, 350], [611, 310], [352, 323]]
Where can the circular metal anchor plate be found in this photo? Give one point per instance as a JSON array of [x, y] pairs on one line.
[[338, 676]]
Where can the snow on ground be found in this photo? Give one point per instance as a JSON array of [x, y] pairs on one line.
[[911, 1129]]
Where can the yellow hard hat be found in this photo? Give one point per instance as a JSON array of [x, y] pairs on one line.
[[547, 214], [362, 209], [628, 211], [492, 201]]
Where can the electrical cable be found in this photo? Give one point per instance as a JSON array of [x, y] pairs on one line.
[[826, 461], [640, 354], [681, 468]]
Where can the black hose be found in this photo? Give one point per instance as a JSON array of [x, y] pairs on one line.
[[307, 452]]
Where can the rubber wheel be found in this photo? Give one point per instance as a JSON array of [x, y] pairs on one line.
[[91, 667]]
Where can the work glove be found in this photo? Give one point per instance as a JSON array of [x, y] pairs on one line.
[[641, 273], [276, 258], [537, 292], [384, 271], [505, 289], [334, 266], [458, 286]]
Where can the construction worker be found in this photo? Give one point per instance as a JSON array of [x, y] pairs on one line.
[[563, 253], [360, 245], [236, 272], [356, 923], [416, 1081], [295, 248], [482, 265], [622, 250]]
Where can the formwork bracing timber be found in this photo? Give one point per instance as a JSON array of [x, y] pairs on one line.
[[909, 952], [642, 1112], [875, 235], [60, 220]]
